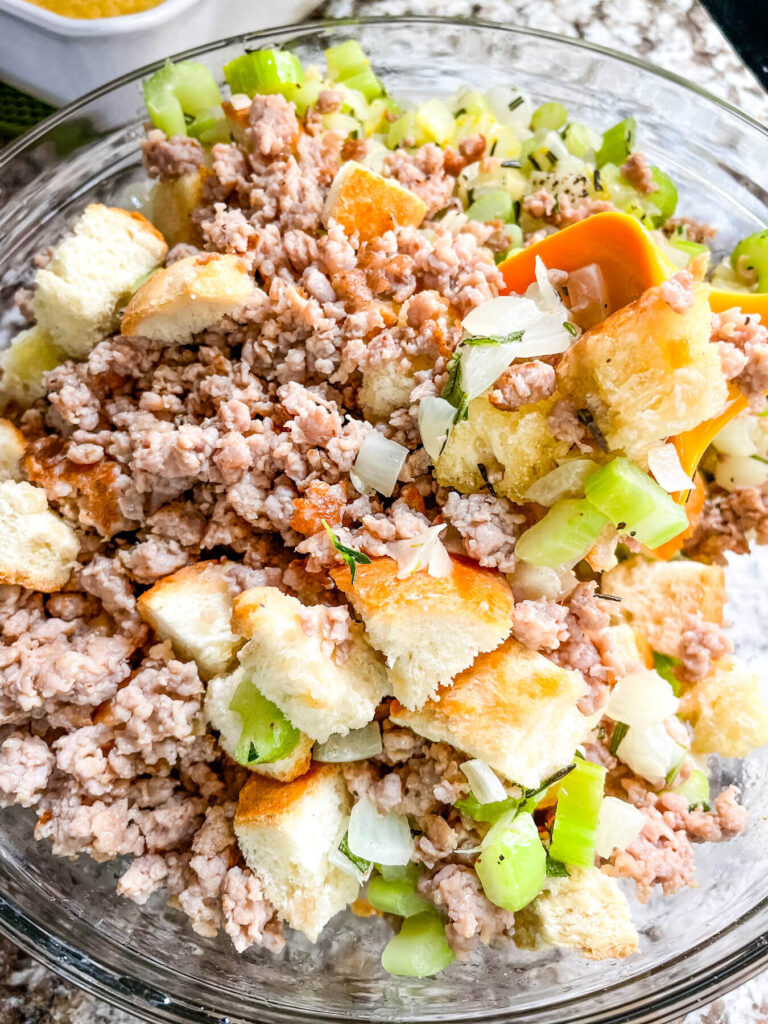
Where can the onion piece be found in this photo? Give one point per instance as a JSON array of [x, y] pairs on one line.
[[641, 699], [357, 745], [738, 437], [435, 421], [549, 299], [341, 861], [532, 582], [566, 481], [482, 365], [424, 551], [650, 752], [500, 99], [664, 463], [618, 825], [499, 317], [733, 472], [485, 784], [383, 838], [379, 462]]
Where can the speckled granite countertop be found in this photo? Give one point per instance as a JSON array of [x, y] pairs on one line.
[[678, 35]]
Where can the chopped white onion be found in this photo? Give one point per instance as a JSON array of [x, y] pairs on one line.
[[485, 784], [733, 472], [650, 752], [136, 196], [482, 365], [383, 838], [499, 98], [556, 146], [566, 481], [618, 826], [499, 317], [343, 863], [547, 337], [357, 745], [424, 551], [435, 421], [738, 437], [664, 463], [550, 300], [532, 582], [641, 699], [379, 462]]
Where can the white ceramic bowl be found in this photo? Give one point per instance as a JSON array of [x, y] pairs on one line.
[[58, 59]]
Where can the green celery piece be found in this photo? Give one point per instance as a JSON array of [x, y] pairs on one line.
[[664, 665], [692, 249], [754, 249], [564, 535], [419, 949], [398, 872], [345, 60], [267, 734], [695, 789], [577, 139], [397, 896], [664, 199], [578, 805], [187, 88], [472, 807], [401, 129], [495, 205], [264, 71], [367, 83], [210, 128], [618, 143], [549, 117], [635, 503], [512, 864], [305, 95]]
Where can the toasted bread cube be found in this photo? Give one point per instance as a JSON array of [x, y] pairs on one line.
[[362, 201], [286, 831], [385, 389], [586, 912], [192, 608], [647, 372], [291, 666], [190, 296], [429, 628], [77, 296], [519, 443], [12, 445], [37, 548], [658, 597], [514, 709], [30, 355], [229, 725], [727, 711], [173, 203]]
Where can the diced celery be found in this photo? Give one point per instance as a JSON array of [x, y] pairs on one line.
[[512, 865], [618, 142], [195, 87], [549, 117], [434, 123], [402, 130], [305, 95], [345, 60], [265, 72], [695, 789], [399, 872], [176, 90], [635, 503], [471, 102], [472, 807], [691, 249], [752, 251], [664, 665], [267, 734], [377, 116], [367, 83], [563, 536], [210, 128], [344, 124], [663, 200], [419, 949], [578, 805], [496, 205], [396, 896], [579, 140]]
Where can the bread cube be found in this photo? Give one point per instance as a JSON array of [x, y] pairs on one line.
[[192, 608], [229, 725], [429, 628], [29, 356], [514, 709], [37, 548], [519, 443], [96, 266], [286, 831], [12, 445], [727, 711], [658, 597], [173, 203], [289, 663], [362, 201], [191, 295], [586, 912], [647, 372]]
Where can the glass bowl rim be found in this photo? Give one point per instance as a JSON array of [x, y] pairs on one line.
[[94, 975]]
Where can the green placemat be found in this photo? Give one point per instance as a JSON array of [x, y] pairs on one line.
[[19, 112]]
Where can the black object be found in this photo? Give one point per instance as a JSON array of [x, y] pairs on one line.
[[744, 23]]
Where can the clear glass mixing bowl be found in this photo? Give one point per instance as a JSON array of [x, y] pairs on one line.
[[695, 945]]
